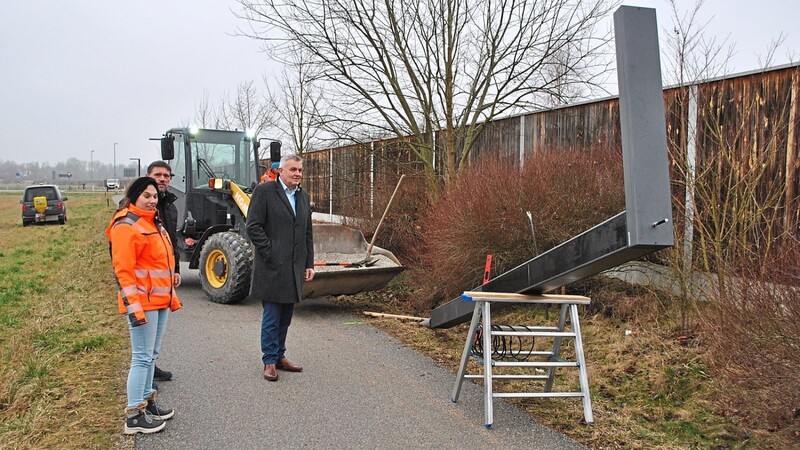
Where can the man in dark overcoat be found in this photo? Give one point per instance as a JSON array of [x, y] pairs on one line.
[[279, 225]]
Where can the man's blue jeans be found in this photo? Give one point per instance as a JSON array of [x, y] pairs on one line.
[[145, 346], [275, 321]]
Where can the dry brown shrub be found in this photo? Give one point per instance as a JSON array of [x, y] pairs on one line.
[[399, 231], [483, 212], [753, 334]]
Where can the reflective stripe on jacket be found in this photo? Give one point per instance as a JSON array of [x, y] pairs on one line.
[[143, 260]]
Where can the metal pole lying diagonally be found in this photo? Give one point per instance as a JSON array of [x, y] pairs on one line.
[[646, 224]]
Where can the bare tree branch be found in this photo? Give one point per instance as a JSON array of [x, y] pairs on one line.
[[691, 55], [774, 45]]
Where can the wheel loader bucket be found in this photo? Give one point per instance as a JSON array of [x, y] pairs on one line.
[[342, 265]]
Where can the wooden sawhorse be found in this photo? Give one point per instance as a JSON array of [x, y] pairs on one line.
[[483, 303]]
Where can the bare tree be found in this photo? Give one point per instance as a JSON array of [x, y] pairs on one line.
[[431, 69], [203, 114], [741, 247], [690, 57], [249, 110], [296, 104]]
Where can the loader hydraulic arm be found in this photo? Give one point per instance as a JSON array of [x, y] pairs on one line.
[[238, 195], [241, 198]]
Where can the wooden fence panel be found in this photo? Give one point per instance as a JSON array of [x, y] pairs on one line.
[[747, 119]]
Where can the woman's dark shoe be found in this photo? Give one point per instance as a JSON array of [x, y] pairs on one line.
[[161, 375], [139, 420]]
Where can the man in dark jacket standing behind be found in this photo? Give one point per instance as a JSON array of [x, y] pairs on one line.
[[279, 225], [168, 214]]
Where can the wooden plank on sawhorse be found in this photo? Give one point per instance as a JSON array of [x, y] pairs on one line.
[[482, 313]]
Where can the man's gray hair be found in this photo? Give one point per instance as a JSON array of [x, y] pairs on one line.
[[292, 157]]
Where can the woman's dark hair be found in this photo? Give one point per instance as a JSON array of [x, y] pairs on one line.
[[135, 189]]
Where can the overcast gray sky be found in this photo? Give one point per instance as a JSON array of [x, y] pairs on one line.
[[80, 75]]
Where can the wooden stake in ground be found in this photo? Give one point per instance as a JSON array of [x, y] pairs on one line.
[[366, 259], [394, 316]]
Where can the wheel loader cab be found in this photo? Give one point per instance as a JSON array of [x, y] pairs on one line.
[[197, 155]]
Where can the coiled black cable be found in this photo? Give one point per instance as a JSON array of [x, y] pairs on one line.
[[505, 347]]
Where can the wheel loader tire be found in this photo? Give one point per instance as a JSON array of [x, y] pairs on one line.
[[225, 263]]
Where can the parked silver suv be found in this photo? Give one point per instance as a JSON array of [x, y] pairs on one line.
[[43, 203]]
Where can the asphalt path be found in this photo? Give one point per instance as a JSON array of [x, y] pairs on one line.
[[360, 388]]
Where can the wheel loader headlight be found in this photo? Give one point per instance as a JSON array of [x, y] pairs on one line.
[[193, 130], [250, 133]]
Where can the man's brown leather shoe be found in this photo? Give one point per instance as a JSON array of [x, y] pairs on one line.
[[285, 364], [270, 374]]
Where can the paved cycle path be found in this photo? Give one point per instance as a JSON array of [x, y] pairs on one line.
[[360, 388]]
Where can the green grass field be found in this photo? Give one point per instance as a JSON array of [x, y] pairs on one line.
[[63, 347]]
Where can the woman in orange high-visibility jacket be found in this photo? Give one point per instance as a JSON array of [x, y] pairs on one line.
[[143, 260]]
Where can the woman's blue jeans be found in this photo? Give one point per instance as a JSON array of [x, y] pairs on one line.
[[145, 346]]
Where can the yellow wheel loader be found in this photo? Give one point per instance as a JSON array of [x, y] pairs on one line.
[[214, 174]]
